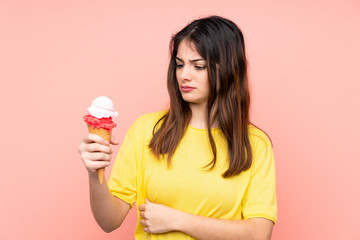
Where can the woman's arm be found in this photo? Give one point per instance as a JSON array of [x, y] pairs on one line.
[[201, 227], [108, 210], [158, 218]]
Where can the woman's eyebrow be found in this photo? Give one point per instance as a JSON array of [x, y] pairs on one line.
[[193, 60]]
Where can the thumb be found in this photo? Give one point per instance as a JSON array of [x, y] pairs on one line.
[[114, 140]]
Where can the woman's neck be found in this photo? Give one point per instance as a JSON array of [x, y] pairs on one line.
[[199, 116]]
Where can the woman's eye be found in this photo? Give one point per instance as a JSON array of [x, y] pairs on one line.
[[200, 67], [179, 65]]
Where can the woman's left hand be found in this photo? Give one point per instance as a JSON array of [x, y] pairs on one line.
[[158, 218]]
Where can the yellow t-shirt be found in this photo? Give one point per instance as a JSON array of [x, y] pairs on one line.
[[137, 174]]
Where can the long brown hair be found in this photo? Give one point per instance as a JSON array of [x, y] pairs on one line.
[[220, 42]]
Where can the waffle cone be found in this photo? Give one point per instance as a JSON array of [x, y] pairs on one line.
[[106, 134]]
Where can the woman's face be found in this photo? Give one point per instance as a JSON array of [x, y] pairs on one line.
[[191, 74]]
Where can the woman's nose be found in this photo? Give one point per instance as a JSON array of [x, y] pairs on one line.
[[185, 73]]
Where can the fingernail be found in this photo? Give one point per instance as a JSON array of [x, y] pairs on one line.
[[106, 142]]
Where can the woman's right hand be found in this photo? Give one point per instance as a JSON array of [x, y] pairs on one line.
[[95, 152]]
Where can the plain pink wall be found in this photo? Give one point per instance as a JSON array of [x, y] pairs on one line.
[[56, 56]]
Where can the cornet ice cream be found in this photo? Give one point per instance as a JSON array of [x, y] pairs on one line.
[[100, 121]]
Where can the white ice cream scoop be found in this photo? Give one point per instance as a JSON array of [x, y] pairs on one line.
[[102, 107]]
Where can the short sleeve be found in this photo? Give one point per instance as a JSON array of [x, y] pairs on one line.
[[122, 182], [260, 196]]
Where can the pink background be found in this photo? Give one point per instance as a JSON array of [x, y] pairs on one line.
[[56, 56]]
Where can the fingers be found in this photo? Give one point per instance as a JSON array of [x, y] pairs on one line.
[[143, 222], [95, 160], [96, 147], [142, 215], [94, 143], [93, 166], [93, 148], [90, 138], [142, 207], [85, 153], [146, 225], [97, 156], [95, 152]]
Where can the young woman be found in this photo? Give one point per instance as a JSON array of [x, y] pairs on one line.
[[199, 169]]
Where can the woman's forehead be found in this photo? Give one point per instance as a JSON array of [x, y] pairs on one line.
[[187, 50]]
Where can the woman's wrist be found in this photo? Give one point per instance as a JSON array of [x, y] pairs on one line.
[[93, 177], [180, 220], [92, 174]]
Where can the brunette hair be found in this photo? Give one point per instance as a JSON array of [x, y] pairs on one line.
[[221, 43]]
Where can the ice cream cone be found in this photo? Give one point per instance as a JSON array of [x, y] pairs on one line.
[[106, 134], [100, 122]]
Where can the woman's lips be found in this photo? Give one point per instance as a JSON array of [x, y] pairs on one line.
[[186, 88]]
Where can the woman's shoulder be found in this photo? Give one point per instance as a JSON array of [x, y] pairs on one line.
[[259, 137], [146, 122], [150, 119]]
